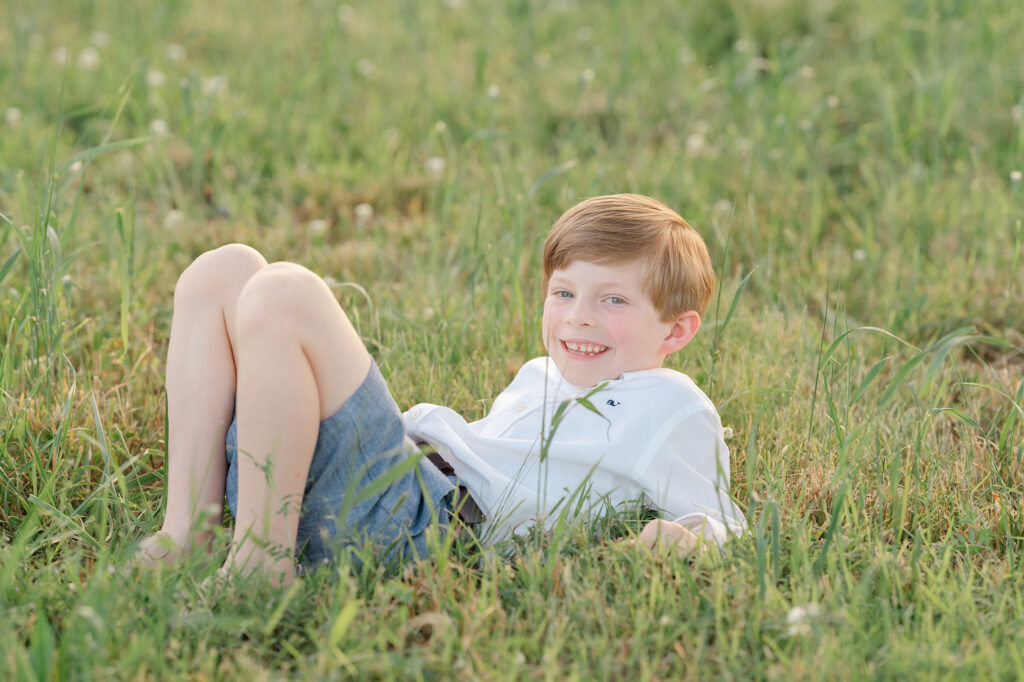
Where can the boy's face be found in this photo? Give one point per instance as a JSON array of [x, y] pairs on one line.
[[599, 322]]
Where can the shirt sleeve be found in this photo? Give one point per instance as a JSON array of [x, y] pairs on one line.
[[687, 477]]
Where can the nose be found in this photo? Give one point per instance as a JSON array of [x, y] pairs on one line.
[[580, 313]]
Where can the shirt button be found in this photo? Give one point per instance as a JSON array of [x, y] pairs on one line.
[[520, 407], [415, 414]]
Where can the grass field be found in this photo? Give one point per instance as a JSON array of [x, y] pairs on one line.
[[855, 168]]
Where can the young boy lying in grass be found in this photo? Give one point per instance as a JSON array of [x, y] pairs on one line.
[[262, 358]]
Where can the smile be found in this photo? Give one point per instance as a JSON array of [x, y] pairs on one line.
[[587, 349]]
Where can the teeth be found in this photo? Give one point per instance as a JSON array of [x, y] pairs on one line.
[[585, 348]]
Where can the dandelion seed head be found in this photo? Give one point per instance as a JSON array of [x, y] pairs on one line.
[[214, 85], [159, 128], [174, 52], [155, 78], [66, 280], [173, 219], [493, 91], [363, 213], [12, 116], [99, 38], [859, 255], [435, 166], [366, 68], [1015, 176], [694, 144]]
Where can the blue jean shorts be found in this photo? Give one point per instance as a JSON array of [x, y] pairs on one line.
[[341, 506]]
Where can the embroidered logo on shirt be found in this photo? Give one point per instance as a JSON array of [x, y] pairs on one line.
[[613, 403]]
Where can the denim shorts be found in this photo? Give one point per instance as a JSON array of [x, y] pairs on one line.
[[357, 446]]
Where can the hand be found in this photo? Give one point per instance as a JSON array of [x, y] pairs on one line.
[[671, 536]]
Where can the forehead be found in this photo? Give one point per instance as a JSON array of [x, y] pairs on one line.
[[631, 273]]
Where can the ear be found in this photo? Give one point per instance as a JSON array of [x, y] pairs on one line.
[[683, 329]]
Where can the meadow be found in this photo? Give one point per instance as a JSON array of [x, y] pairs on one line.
[[855, 168]]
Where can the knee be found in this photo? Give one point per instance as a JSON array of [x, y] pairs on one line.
[[218, 271], [281, 296]]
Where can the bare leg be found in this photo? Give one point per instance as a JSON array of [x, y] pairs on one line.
[[298, 360], [200, 395]]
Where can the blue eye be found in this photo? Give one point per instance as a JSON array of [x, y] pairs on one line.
[[563, 294], [616, 300]]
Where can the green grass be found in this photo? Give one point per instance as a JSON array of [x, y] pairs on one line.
[[851, 166]]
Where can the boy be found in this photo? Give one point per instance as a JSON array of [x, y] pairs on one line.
[[626, 281]]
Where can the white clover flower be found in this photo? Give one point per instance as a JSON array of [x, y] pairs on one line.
[[366, 68], [859, 255], [435, 166], [363, 213], [806, 71], [159, 128], [832, 101], [174, 52], [89, 59], [75, 167], [317, 226], [60, 56], [493, 91], [428, 313], [214, 85], [12, 116], [440, 126], [173, 219], [155, 78], [99, 38], [805, 125], [587, 75], [727, 433], [1015, 176]]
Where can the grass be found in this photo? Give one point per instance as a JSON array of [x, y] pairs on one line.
[[854, 168]]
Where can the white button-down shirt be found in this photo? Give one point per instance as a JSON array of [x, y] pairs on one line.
[[650, 435]]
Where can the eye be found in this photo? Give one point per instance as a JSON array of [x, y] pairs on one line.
[[615, 300], [562, 294]]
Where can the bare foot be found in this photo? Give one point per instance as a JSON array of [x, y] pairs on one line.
[[251, 556]]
